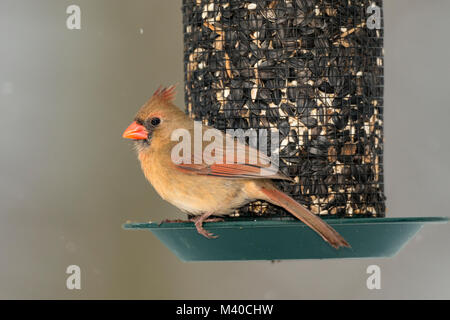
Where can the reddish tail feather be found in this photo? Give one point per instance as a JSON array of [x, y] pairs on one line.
[[330, 235]]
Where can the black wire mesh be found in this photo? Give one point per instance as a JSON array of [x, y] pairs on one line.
[[312, 69]]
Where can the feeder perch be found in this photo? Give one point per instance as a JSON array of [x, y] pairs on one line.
[[285, 239], [311, 70]]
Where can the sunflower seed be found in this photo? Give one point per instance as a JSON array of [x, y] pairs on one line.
[[312, 70]]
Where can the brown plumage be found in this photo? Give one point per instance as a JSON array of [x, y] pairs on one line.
[[203, 188]]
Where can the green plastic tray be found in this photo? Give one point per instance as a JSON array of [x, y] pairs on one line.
[[281, 239]]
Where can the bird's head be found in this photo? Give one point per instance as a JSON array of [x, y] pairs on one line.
[[156, 119]]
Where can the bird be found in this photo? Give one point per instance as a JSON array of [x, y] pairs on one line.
[[208, 191]]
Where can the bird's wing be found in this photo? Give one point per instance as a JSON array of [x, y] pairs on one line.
[[242, 162]]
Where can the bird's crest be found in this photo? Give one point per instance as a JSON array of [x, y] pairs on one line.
[[165, 94]]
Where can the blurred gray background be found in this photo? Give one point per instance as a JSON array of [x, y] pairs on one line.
[[68, 181]]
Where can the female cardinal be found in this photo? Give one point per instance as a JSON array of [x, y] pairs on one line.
[[202, 188]]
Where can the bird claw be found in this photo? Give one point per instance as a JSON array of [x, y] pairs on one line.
[[205, 233], [198, 221], [199, 226]]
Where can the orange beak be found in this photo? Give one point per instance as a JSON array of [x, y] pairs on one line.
[[135, 131]]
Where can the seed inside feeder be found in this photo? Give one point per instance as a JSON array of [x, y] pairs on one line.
[[312, 70]]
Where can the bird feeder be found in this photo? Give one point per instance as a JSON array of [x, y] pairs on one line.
[[311, 70]]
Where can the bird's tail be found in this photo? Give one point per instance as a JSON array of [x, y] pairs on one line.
[[281, 199]]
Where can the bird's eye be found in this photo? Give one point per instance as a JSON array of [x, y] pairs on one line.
[[155, 121]]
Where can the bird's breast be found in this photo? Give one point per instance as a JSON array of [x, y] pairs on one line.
[[192, 193]]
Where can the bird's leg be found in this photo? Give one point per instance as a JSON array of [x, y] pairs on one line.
[[199, 224]]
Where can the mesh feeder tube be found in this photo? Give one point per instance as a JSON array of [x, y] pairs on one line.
[[311, 69]]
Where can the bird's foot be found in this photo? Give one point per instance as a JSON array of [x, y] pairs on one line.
[[198, 221], [205, 233]]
